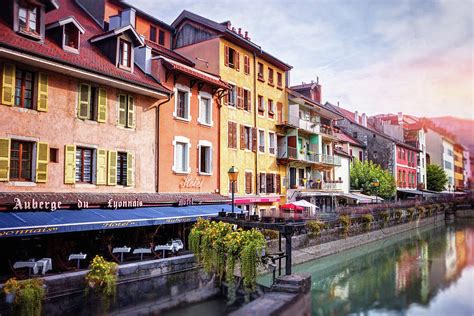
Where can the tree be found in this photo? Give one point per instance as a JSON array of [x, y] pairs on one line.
[[436, 178], [363, 175]]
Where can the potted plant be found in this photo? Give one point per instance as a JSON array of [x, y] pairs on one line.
[[27, 296]]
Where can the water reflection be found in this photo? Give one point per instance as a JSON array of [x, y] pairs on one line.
[[427, 273]]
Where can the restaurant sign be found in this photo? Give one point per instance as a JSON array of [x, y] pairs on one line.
[[35, 205]]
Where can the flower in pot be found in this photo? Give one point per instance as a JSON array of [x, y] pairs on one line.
[[10, 289]]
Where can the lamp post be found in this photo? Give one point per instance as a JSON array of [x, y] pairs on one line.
[[376, 185], [233, 175]]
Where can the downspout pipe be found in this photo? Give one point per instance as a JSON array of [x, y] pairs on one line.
[[157, 140]]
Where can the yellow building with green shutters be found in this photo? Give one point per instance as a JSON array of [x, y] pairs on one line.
[[248, 113]]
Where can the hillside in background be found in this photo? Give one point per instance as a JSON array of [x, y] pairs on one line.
[[462, 128]]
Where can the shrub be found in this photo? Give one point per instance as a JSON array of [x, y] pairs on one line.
[[367, 219], [270, 234], [29, 295], [411, 212], [421, 210], [102, 277], [385, 215], [315, 227], [399, 215], [345, 221]]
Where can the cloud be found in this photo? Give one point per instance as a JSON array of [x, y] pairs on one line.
[[374, 56]]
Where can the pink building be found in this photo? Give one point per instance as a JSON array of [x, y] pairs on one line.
[[406, 167]]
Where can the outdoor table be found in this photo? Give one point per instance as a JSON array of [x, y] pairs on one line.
[[31, 265], [141, 251], [164, 248], [46, 264], [78, 257], [121, 250]]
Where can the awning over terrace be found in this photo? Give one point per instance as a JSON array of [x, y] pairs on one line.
[[27, 223]]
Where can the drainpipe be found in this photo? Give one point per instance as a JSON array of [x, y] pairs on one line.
[[158, 141], [255, 97], [220, 95]]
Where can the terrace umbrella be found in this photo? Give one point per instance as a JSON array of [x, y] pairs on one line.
[[292, 207]]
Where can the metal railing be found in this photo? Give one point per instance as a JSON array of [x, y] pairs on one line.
[[331, 160]]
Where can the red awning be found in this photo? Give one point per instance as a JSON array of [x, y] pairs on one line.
[[292, 207]]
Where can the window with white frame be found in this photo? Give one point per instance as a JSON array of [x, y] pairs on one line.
[[271, 143], [261, 141], [205, 108], [181, 155], [182, 102], [205, 157]]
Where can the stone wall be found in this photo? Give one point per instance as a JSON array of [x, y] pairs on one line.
[[142, 287]]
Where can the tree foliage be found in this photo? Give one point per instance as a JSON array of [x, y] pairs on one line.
[[436, 178], [363, 175]]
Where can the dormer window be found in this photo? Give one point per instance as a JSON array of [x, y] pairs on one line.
[[71, 36], [125, 54], [28, 19]]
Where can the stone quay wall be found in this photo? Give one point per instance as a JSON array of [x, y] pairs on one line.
[[142, 288]]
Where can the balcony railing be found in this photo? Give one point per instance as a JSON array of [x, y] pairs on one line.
[[271, 150], [292, 153], [328, 130]]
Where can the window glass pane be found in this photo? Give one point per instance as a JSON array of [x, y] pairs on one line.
[[32, 19], [22, 17], [181, 157], [206, 110]]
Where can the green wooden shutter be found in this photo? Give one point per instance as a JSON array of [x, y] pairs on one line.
[[8, 84], [130, 170], [112, 168], [42, 159], [4, 159], [69, 164], [102, 106], [101, 167], [42, 104], [131, 112], [122, 110], [84, 101]]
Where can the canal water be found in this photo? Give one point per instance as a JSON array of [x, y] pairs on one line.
[[429, 271]]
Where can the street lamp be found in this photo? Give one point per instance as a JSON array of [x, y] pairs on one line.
[[233, 175], [376, 185]]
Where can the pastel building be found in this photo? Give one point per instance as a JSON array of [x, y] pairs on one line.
[[250, 111], [306, 144]]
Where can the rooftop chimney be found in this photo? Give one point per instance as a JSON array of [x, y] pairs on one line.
[[400, 117], [233, 29], [240, 31], [356, 117], [228, 25], [246, 35], [364, 120], [126, 17]]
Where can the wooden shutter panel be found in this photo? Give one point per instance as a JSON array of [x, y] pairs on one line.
[[131, 112], [42, 103], [102, 106], [130, 170], [8, 84], [229, 135], [242, 137], [237, 60], [42, 159], [4, 159], [248, 182], [250, 101], [69, 164], [112, 168], [240, 98], [235, 135], [226, 55], [278, 183], [268, 183], [84, 101], [122, 110], [101, 167], [254, 139]]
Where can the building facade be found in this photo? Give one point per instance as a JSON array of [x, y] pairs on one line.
[[458, 167], [91, 90], [248, 117]]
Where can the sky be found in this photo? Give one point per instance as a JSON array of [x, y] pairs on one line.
[[374, 56]]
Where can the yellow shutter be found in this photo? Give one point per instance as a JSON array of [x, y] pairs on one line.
[[42, 104], [112, 171], [42, 159], [131, 112], [102, 106], [101, 167], [122, 110], [84, 101], [4, 159], [130, 170], [69, 164], [8, 84]]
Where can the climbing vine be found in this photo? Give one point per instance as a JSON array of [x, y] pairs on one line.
[[219, 247]]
